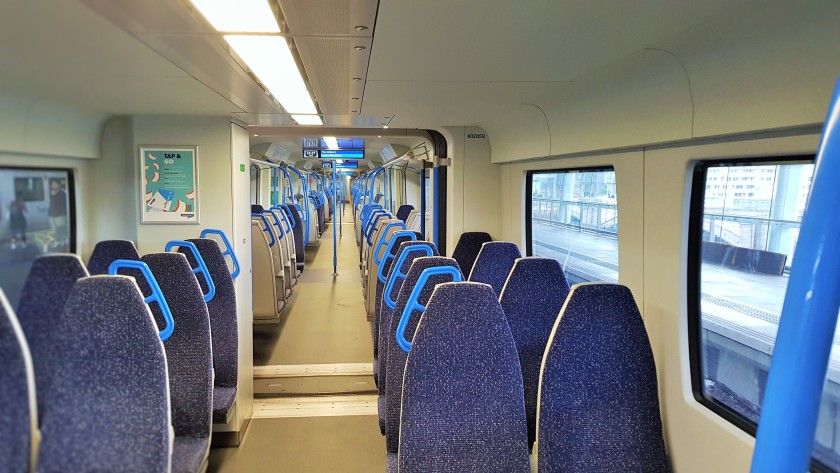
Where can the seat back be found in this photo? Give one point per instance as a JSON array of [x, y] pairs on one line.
[[462, 406], [376, 258], [107, 251], [264, 274], [467, 248], [256, 208], [598, 382], [531, 299], [108, 402], [395, 240], [299, 228], [493, 264], [224, 326], [403, 211], [18, 414], [407, 252], [47, 287], [189, 356], [395, 362]]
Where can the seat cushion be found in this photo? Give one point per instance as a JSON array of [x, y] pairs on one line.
[[189, 453], [222, 402]]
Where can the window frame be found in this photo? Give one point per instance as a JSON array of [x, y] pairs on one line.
[[71, 195], [529, 195], [693, 282]]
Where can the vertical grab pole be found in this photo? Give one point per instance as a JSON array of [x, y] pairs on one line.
[[335, 199], [423, 200], [335, 238], [809, 316]]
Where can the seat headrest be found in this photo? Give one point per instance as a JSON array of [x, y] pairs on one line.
[[494, 262], [467, 248], [107, 251]]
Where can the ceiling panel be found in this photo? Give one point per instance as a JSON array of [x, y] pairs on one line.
[[500, 40]]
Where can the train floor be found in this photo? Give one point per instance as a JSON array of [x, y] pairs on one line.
[[315, 401]]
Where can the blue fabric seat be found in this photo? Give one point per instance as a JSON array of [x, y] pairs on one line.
[[493, 264], [300, 247], [404, 211], [107, 407], [107, 251], [188, 357], [599, 403], [462, 405], [18, 415], [224, 329], [47, 287], [532, 297], [467, 248], [395, 362], [386, 316], [387, 261], [256, 208]]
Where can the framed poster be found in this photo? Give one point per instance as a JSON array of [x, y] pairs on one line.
[[170, 184]]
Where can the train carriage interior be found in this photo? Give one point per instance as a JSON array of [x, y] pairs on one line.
[[389, 235]]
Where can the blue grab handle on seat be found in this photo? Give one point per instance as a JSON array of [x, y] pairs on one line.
[[201, 269], [382, 241], [397, 274], [157, 294], [797, 375], [388, 251], [413, 304], [367, 213], [228, 248], [276, 223], [283, 218], [267, 229], [287, 214], [372, 227]]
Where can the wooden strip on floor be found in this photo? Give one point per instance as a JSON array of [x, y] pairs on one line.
[[303, 371], [315, 406]]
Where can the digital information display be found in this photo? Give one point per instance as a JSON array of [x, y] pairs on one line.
[[334, 153], [345, 165]]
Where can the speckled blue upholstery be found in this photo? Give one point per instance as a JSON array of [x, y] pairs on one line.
[[494, 262], [47, 287], [223, 326], [108, 402], [467, 248], [380, 287], [256, 208], [599, 404], [462, 405], [532, 297], [18, 417], [300, 248], [188, 357], [404, 211], [107, 251], [395, 362], [380, 363]]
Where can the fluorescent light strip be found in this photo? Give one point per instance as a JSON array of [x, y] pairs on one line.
[[331, 142], [240, 16], [271, 60], [307, 119]]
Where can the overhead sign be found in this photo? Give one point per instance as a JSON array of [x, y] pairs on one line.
[[334, 153], [350, 164]]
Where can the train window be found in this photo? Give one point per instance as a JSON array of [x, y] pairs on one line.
[[745, 219], [571, 216], [37, 216]]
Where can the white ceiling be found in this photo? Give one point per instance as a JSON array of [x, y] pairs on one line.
[[428, 64]]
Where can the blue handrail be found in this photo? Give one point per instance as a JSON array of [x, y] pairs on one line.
[[201, 269], [389, 255], [276, 223], [267, 229], [383, 241], [288, 215], [228, 248], [283, 218], [157, 294], [372, 226], [397, 273], [413, 304], [809, 316]]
